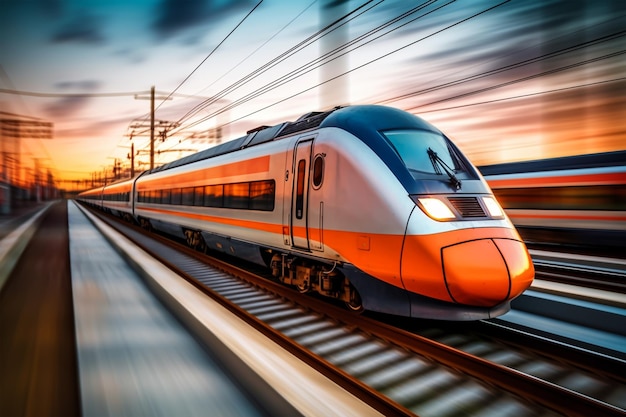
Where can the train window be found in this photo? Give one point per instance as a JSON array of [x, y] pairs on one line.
[[300, 188], [597, 197], [262, 194], [198, 196], [214, 196], [166, 196], [176, 196], [187, 197], [318, 171], [237, 195], [412, 147]]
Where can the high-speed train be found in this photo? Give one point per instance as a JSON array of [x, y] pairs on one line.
[[369, 205], [574, 200]]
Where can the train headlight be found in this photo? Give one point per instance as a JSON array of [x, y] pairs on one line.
[[493, 207], [435, 208]]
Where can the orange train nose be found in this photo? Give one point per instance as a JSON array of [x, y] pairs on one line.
[[486, 272]]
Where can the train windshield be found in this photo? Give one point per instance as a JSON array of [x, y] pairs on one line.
[[425, 153]]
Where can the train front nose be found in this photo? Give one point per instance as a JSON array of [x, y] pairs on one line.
[[486, 272], [480, 267]]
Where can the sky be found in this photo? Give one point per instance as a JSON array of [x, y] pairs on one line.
[[505, 80]]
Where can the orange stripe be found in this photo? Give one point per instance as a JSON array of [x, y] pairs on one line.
[[117, 188], [585, 179], [204, 176], [90, 192]]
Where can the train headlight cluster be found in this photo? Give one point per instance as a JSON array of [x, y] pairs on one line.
[[435, 208], [493, 207], [470, 207]]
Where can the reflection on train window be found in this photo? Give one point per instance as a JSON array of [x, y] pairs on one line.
[[255, 195], [300, 188], [606, 197], [318, 171], [176, 196], [112, 197], [262, 195], [198, 196], [165, 197], [237, 195], [214, 196], [412, 148], [187, 198]]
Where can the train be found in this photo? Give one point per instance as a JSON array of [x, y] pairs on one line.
[[368, 205], [575, 201]]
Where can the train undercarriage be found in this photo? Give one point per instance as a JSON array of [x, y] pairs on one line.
[[305, 275], [308, 276]]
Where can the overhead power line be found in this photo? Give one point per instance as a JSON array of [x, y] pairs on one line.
[[70, 95], [362, 65], [328, 57], [275, 61], [519, 80], [212, 52], [539, 93], [515, 65]]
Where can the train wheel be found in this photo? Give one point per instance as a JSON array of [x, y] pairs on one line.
[[145, 224], [355, 304], [303, 287]]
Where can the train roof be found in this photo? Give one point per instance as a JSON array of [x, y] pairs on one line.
[[253, 137], [363, 121]]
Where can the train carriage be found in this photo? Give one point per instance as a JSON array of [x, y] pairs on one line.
[[366, 204], [575, 200]]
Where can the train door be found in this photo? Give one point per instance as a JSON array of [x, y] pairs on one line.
[[298, 220]]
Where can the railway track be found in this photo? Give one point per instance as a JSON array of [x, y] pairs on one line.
[[588, 276], [397, 371]]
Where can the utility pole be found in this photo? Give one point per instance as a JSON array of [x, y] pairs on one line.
[[152, 127], [132, 160], [152, 98]]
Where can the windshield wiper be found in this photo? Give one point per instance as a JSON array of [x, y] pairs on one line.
[[438, 163]]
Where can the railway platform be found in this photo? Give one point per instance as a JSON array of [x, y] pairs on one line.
[[125, 352]]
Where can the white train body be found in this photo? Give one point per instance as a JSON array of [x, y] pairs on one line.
[[332, 208]]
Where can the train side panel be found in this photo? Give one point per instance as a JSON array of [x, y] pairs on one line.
[[234, 172]]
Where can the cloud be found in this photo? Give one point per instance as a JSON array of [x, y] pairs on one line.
[[52, 8], [65, 106], [85, 85], [176, 16], [80, 28], [71, 104]]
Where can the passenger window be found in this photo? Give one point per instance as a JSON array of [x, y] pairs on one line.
[[318, 171], [237, 196], [187, 197], [165, 196], [198, 196], [214, 196], [262, 194], [176, 196]]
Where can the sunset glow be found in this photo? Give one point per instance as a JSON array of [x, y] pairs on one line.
[[507, 81]]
